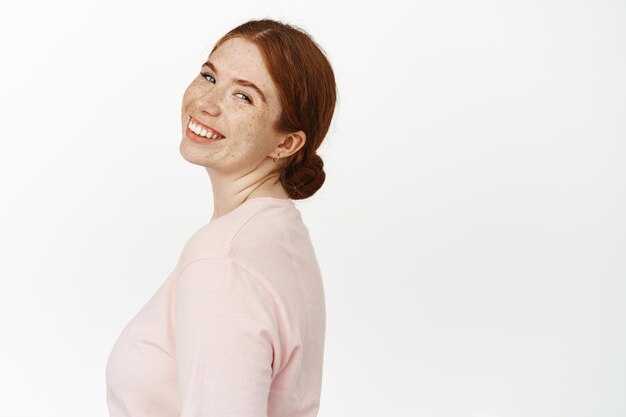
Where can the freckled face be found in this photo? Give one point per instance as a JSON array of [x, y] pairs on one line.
[[236, 111]]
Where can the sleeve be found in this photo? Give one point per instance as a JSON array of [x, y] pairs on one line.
[[226, 339]]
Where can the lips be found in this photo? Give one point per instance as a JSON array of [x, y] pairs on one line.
[[207, 126]]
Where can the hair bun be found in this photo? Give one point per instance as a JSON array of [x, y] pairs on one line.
[[304, 179]]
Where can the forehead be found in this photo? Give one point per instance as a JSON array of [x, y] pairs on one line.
[[240, 58]]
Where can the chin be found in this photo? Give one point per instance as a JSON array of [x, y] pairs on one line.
[[189, 153]]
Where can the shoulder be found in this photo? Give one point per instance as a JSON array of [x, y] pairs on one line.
[[215, 239], [265, 241], [259, 224], [273, 231]]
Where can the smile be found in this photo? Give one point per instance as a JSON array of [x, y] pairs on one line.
[[203, 130]]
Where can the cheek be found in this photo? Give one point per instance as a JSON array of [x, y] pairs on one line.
[[191, 92], [188, 92], [252, 136], [256, 128]]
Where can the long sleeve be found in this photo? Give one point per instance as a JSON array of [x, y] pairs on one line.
[[226, 339]]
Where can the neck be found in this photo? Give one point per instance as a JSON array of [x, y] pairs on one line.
[[230, 192]]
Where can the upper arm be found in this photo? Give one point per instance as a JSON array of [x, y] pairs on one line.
[[226, 336]]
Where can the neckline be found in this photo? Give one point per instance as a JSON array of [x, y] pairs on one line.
[[268, 198], [278, 200]]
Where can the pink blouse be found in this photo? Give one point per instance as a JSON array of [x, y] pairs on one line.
[[236, 330]]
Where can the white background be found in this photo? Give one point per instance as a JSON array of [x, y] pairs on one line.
[[471, 230]]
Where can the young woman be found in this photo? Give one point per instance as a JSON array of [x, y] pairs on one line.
[[237, 329]]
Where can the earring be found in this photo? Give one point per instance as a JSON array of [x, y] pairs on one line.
[[274, 159]]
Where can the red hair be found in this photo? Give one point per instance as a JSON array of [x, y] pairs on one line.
[[307, 92]]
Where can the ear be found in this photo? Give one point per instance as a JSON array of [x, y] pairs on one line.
[[291, 144]]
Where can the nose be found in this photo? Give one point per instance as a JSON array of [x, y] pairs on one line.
[[210, 102]]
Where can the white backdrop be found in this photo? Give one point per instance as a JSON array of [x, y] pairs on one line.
[[471, 231]]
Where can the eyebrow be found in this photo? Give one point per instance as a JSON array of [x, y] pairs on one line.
[[239, 81]]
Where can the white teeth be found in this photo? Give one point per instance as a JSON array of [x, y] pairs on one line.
[[202, 131]]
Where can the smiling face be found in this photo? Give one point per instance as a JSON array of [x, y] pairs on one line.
[[243, 115]]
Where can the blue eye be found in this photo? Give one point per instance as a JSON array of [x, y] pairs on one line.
[[206, 74], [246, 97]]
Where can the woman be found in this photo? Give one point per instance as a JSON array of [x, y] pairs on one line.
[[237, 329]]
